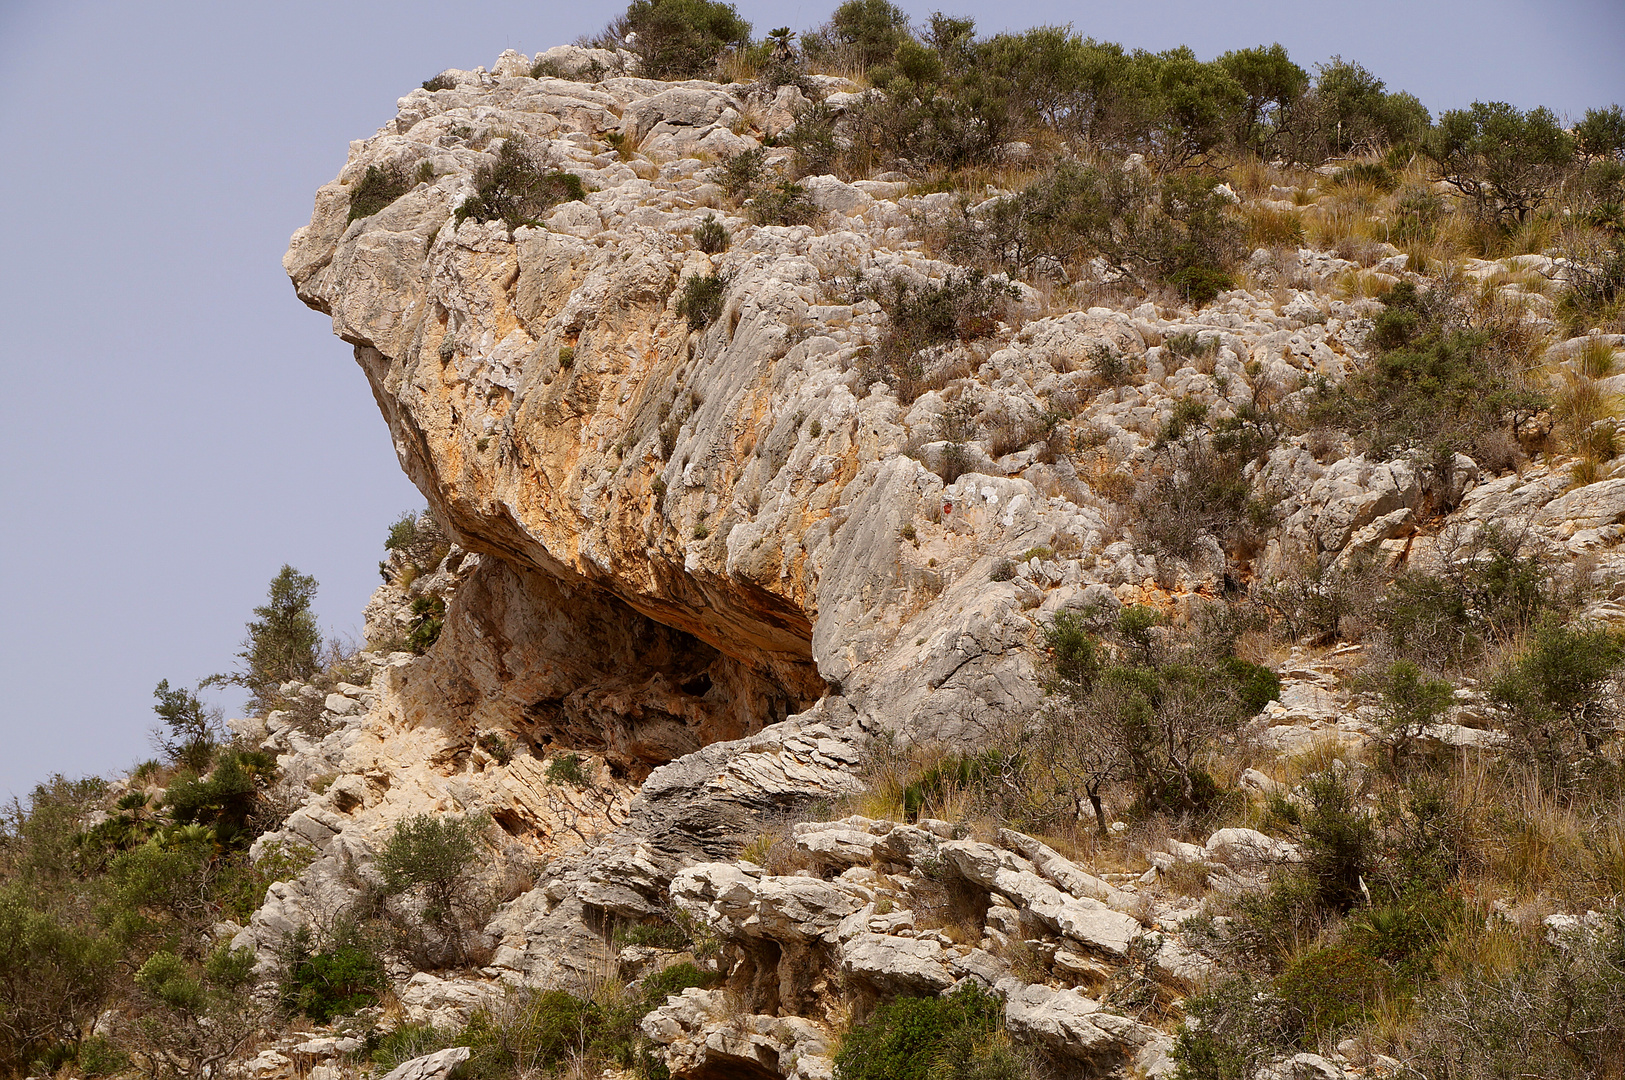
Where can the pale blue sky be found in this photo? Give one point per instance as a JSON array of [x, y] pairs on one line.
[[175, 425]]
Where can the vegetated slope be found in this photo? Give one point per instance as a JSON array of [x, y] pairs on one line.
[[989, 513]]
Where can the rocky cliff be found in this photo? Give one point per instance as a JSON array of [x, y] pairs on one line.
[[718, 559]]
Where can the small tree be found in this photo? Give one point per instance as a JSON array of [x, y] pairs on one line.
[[1273, 84], [283, 643], [1502, 159], [1602, 133], [195, 1019], [678, 39], [1411, 700], [187, 734], [435, 859], [863, 32]]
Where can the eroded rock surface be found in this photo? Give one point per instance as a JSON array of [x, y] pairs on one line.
[[715, 561]]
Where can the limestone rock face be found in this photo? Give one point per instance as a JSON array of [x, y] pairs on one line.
[[697, 567]]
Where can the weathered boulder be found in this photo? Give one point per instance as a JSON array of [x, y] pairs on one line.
[[435, 1066]]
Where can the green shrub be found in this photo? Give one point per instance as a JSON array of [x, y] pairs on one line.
[[567, 357], [1560, 1006], [913, 1038], [1435, 383], [863, 32], [1411, 701], [1326, 989], [700, 299], [189, 731], [1273, 86], [964, 306], [54, 976], [98, 1056], [1349, 108], [679, 39], [442, 81], [1256, 685], [1490, 589], [568, 768], [1556, 693], [518, 188], [376, 189], [674, 980], [193, 1017], [663, 935], [710, 237], [1601, 133], [433, 855], [428, 619], [740, 172], [784, 203], [436, 860], [1338, 838], [1175, 231], [226, 799], [1233, 1029], [343, 975], [543, 1030]]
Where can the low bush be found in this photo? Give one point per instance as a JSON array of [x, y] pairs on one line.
[[700, 299], [740, 173], [532, 1031], [226, 800], [193, 1017], [1234, 1028], [1491, 586], [1560, 1003], [1410, 701], [377, 188], [1439, 382], [436, 860], [568, 768], [1557, 696], [962, 307], [911, 1038], [428, 619], [784, 203], [1176, 231], [710, 237], [332, 978]]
